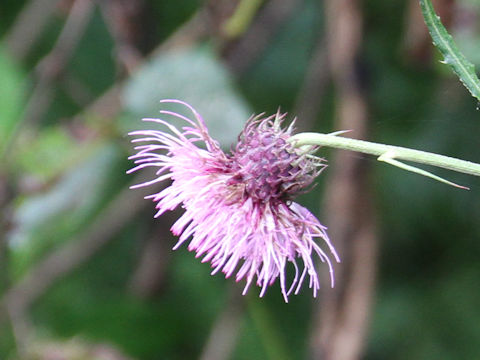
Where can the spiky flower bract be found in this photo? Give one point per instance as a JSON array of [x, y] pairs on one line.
[[239, 214]]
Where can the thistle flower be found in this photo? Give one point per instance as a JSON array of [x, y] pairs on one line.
[[239, 214]]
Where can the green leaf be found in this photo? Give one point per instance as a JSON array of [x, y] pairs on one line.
[[11, 99], [196, 76], [42, 160], [453, 57], [47, 218]]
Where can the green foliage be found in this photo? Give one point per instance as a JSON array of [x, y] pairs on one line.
[[453, 57], [97, 72], [196, 76], [62, 173], [42, 158], [275, 78], [48, 219], [11, 99]]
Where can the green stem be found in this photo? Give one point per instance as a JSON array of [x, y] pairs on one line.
[[274, 344], [389, 151], [242, 18]]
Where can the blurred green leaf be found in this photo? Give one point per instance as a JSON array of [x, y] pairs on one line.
[[45, 219], [466, 34], [49, 154], [426, 303], [103, 310], [453, 57], [196, 77], [11, 99]]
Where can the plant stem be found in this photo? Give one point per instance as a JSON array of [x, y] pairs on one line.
[[394, 152]]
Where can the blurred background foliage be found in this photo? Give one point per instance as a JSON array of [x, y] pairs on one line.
[[85, 271]]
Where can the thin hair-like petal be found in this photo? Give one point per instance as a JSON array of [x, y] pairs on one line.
[[238, 210]]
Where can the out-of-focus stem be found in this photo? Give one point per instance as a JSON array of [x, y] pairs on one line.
[[272, 341], [242, 18], [341, 317]]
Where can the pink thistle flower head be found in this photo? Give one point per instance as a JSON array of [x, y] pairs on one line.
[[239, 214]]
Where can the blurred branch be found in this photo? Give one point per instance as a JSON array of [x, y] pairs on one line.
[[120, 210], [223, 336], [62, 261], [51, 67], [77, 90], [18, 330], [5, 216], [149, 275], [341, 323], [309, 99], [21, 329], [241, 18], [17, 300], [70, 349], [240, 54], [109, 104], [28, 26], [417, 42], [194, 30], [106, 106], [126, 22]]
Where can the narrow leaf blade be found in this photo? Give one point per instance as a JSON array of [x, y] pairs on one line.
[[453, 57]]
